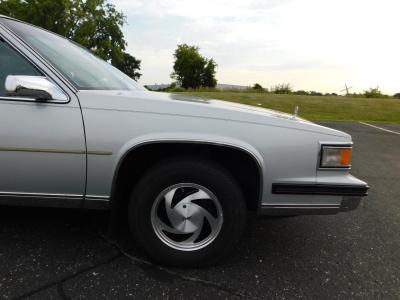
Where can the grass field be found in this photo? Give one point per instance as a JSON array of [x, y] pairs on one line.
[[317, 108]]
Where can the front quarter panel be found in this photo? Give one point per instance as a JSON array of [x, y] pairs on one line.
[[285, 154]]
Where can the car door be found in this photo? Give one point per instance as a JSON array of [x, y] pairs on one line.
[[42, 144]]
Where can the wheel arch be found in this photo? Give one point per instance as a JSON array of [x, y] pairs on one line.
[[160, 149]]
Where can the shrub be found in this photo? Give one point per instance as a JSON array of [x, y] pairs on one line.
[[258, 88], [373, 93], [314, 93], [282, 88], [301, 92]]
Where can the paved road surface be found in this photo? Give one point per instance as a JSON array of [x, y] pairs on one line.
[[61, 254]]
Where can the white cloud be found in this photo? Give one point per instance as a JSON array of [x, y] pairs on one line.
[[313, 44]]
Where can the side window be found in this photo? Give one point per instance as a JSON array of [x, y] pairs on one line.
[[12, 63]]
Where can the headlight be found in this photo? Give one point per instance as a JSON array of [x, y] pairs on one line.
[[335, 157]]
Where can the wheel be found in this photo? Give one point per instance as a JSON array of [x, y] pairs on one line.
[[187, 213]]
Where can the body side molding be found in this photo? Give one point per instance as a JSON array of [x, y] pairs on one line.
[[53, 200], [54, 150]]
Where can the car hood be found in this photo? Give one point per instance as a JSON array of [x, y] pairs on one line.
[[183, 105]]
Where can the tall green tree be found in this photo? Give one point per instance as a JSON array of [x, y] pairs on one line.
[[95, 24], [208, 78], [191, 69]]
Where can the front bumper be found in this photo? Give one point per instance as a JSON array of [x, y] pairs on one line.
[[349, 195]]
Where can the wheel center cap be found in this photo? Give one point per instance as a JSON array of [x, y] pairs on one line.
[[191, 217]]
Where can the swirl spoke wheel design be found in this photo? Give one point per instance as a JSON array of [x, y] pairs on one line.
[[187, 212], [186, 216]]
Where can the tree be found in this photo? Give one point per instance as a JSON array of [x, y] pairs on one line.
[[397, 95], [191, 69], [129, 65], [257, 87], [94, 24], [208, 77]]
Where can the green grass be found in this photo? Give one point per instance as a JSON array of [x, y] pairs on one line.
[[317, 108]]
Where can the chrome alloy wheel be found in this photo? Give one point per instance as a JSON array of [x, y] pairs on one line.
[[186, 216]]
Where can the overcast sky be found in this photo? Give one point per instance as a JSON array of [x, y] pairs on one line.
[[312, 44]]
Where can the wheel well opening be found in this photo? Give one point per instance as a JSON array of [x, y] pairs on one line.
[[240, 164]]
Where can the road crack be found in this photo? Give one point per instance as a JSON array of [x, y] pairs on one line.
[[137, 260], [59, 283]]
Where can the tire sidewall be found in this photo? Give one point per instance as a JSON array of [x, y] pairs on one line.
[[210, 176]]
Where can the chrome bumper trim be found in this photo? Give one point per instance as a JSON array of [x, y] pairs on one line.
[[348, 203]]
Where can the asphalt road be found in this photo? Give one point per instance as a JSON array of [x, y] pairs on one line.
[[62, 254]]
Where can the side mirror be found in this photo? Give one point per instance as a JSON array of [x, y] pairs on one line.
[[34, 87]]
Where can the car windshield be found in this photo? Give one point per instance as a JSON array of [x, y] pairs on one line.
[[78, 64]]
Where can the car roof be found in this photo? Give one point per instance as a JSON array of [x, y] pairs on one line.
[[7, 17]]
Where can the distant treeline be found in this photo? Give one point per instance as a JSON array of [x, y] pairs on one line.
[[283, 88]]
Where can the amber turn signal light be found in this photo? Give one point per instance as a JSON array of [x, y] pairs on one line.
[[335, 157]]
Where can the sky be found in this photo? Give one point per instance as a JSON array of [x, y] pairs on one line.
[[313, 44]]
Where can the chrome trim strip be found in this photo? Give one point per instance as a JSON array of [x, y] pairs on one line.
[[53, 150], [97, 198], [44, 150], [99, 152], [40, 195], [300, 206], [31, 100], [19, 99], [348, 203], [53, 200]]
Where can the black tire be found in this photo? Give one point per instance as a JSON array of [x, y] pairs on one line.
[[204, 173]]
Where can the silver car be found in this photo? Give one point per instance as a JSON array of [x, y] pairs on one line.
[[75, 132]]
